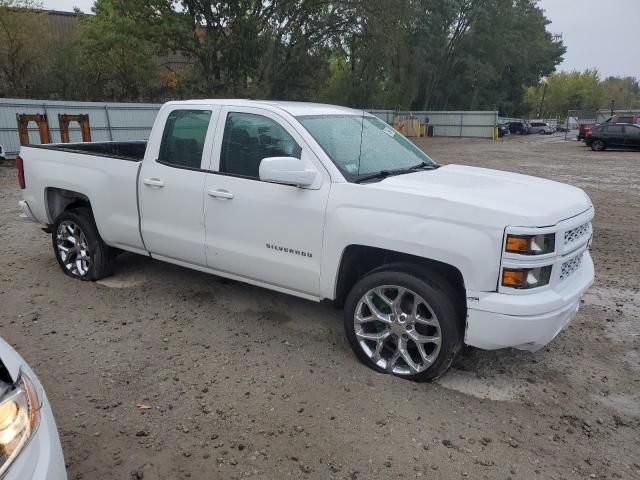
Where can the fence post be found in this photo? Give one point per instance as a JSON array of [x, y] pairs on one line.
[[461, 122], [106, 111]]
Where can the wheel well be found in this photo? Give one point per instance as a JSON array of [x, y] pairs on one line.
[[358, 260], [60, 200]]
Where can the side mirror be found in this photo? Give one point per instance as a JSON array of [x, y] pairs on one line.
[[287, 170]]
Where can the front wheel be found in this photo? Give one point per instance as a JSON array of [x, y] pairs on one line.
[[598, 145], [78, 247], [404, 325]]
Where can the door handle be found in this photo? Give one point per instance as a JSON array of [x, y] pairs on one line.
[[153, 182], [220, 194]]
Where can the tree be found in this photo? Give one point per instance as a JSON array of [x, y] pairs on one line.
[[565, 91], [625, 92], [119, 46], [23, 37]]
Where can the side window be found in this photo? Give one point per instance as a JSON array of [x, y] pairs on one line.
[[633, 131], [183, 138], [248, 138]]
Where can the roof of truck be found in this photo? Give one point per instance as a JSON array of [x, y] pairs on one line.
[[294, 108]]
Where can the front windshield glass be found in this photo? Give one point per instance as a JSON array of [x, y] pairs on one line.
[[382, 147]]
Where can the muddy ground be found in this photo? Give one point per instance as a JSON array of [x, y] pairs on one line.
[[162, 372]]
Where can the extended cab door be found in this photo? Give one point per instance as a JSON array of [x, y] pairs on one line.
[[262, 231], [172, 182]]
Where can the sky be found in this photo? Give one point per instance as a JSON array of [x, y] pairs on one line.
[[597, 33], [588, 28]]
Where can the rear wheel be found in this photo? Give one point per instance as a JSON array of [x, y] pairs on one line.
[[598, 145], [404, 325], [80, 251]]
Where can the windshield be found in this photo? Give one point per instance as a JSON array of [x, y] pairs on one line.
[[381, 149]]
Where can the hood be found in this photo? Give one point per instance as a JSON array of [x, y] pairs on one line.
[[11, 360], [518, 200]]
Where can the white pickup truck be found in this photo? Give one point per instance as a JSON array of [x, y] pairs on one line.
[[325, 202]]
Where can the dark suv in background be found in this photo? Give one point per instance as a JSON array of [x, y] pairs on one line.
[[630, 118], [615, 135], [519, 128]]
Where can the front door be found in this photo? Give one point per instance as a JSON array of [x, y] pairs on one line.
[[172, 183], [263, 231], [614, 135]]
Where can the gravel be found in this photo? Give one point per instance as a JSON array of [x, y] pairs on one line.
[[165, 373]]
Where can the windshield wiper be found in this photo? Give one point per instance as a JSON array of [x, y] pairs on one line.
[[371, 176], [420, 166], [387, 173]]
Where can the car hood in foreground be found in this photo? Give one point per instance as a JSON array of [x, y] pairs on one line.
[[524, 200]]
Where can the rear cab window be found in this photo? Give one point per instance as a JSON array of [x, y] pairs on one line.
[[184, 138]]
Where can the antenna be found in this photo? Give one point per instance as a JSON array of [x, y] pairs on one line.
[[361, 134]]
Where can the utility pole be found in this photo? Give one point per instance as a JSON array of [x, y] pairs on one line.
[[613, 103], [544, 92]]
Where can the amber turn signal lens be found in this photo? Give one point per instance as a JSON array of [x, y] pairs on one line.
[[530, 244], [514, 278], [517, 244]]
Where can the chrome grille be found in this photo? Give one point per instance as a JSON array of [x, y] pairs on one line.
[[570, 266], [577, 233]]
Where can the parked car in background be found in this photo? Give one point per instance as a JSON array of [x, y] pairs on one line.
[[633, 118], [584, 131], [326, 202], [29, 442], [541, 127], [503, 129], [615, 136], [2, 153], [519, 128]]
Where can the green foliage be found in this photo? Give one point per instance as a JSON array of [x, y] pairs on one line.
[[625, 92], [23, 40], [581, 90], [419, 54]]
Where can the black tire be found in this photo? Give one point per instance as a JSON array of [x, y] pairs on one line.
[[101, 257], [441, 297], [598, 145]]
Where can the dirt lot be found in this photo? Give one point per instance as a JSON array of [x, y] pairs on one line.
[[244, 382]]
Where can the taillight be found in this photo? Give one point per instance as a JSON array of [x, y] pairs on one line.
[[20, 167]]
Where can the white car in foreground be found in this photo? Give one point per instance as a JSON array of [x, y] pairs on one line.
[[29, 443], [326, 202]]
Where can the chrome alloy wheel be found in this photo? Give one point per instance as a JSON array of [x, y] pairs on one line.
[[397, 329], [73, 248]]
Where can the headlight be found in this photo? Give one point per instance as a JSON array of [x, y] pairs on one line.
[[522, 278], [530, 244], [19, 417]]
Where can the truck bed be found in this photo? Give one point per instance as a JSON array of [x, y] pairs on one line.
[[132, 151], [105, 173]]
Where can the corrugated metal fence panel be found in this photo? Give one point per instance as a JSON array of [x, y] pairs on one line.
[[108, 121], [133, 121], [448, 123]]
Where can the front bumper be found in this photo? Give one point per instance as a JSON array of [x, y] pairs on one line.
[[525, 322]]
